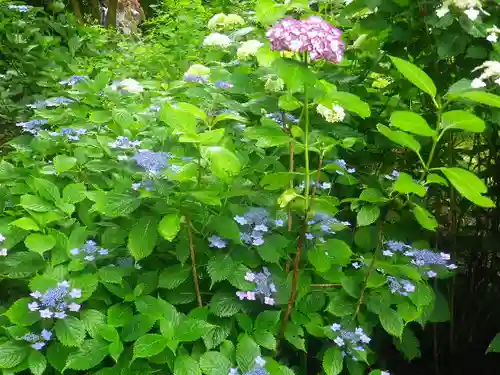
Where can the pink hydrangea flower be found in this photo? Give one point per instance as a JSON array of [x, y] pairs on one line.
[[313, 35]]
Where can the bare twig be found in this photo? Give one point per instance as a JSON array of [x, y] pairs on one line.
[[193, 261]]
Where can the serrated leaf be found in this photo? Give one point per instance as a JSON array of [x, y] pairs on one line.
[[333, 363], [114, 204], [142, 237], [70, 331], [64, 163], [119, 315], [224, 304], [92, 321], [191, 329], [89, 354], [214, 363], [367, 215], [37, 363], [138, 326], [265, 339], [406, 185], [185, 365], [12, 354], [25, 223], [40, 243], [220, 267], [391, 322], [246, 352], [149, 345], [172, 277], [19, 313]]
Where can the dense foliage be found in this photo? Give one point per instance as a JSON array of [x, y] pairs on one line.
[[276, 191]]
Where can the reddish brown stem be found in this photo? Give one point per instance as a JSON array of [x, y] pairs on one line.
[[295, 279], [193, 262], [318, 176]]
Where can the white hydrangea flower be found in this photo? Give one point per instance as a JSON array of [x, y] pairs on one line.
[[198, 70], [472, 13], [248, 48], [233, 20], [129, 85], [491, 70], [492, 34], [216, 21], [217, 40], [471, 8], [334, 114]]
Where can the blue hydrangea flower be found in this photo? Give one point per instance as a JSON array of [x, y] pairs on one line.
[[224, 85], [33, 127], [19, 8], [279, 223], [73, 80], [146, 185], [90, 251], [152, 162], [256, 223], [342, 164], [38, 341], [393, 176], [281, 118], [55, 301], [350, 341], [52, 102], [264, 287], [195, 78], [216, 241], [124, 143], [403, 287]]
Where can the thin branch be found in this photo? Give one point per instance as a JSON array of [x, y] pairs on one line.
[[193, 262], [370, 268], [295, 279], [324, 285]]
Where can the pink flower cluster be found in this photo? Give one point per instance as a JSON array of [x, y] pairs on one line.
[[313, 35]]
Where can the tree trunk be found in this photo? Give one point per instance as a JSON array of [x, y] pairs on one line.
[[76, 9], [112, 7]]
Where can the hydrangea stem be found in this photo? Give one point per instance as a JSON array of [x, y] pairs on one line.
[[300, 239], [192, 251]]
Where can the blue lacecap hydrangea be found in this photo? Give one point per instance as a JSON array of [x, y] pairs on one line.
[[151, 161], [223, 84], [90, 251], [264, 287], [38, 341], [321, 225], [124, 143], [255, 223], [282, 117], [400, 286], [73, 80], [350, 341], [52, 102], [33, 127], [195, 78], [56, 302]]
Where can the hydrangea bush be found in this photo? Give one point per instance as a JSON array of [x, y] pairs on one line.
[[222, 224]]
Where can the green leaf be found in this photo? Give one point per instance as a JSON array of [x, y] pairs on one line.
[[142, 237], [223, 163], [367, 215], [409, 345], [116, 349], [415, 75], [64, 163], [267, 321], [350, 102], [294, 73], [70, 331], [462, 120], [114, 204], [494, 346], [401, 138], [214, 363], [425, 218], [124, 119], [89, 354], [406, 185], [156, 308], [172, 277], [37, 363], [267, 135], [224, 304], [100, 117], [246, 352], [226, 227], [40, 243], [268, 12], [185, 365], [74, 193], [57, 355], [273, 249], [46, 189], [333, 363], [319, 259], [220, 267], [149, 345], [180, 121], [12, 354], [136, 327], [93, 321], [169, 226], [20, 315], [481, 97], [468, 185], [119, 315], [338, 251], [265, 339], [34, 203], [412, 123], [191, 329], [25, 223], [392, 322], [289, 103]]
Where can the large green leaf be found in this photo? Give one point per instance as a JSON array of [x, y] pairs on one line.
[[169, 226], [34, 203], [89, 354], [459, 119], [64, 163], [367, 215], [46, 189], [425, 218], [401, 138], [185, 365], [114, 204], [136, 327], [19, 313], [70, 331], [412, 123], [392, 322], [37, 363], [40, 243], [142, 237], [12, 354], [149, 345], [481, 97], [181, 121], [333, 363], [214, 363], [415, 75], [494, 346], [469, 185], [350, 102], [191, 329], [223, 163], [268, 11], [224, 304], [407, 185], [246, 352]]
